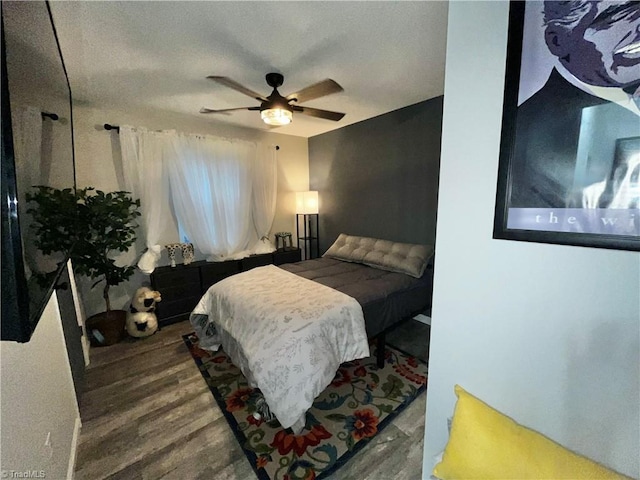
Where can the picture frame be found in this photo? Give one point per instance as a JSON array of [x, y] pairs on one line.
[[569, 165]]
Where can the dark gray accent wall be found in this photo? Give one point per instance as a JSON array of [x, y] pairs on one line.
[[379, 178]]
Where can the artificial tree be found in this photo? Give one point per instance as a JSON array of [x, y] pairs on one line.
[[90, 224]]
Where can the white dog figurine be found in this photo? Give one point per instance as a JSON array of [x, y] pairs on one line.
[[141, 319]]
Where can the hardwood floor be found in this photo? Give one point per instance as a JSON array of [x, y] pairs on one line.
[[147, 413]]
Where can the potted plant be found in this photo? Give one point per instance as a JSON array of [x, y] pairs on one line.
[[93, 226]]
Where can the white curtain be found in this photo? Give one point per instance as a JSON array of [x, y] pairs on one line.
[[211, 190], [265, 186], [222, 191], [146, 178]]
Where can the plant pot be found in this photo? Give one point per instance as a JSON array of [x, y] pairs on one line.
[[106, 328]]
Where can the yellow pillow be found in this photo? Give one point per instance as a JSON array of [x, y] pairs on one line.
[[485, 444]]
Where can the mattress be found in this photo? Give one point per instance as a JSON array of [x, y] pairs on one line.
[[386, 297]]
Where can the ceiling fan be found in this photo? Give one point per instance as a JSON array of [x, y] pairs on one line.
[[278, 110]]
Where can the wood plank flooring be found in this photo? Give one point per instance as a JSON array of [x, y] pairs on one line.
[[147, 413]]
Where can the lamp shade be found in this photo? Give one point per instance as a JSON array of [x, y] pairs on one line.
[[307, 202]]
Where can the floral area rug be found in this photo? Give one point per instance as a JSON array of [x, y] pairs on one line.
[[361, 400]]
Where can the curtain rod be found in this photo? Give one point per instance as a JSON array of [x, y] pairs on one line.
[[117, 129], [52, 116]]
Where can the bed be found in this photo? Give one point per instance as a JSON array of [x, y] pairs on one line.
[[289, 328]]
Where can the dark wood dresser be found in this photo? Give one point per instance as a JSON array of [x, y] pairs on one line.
[[182, 286]]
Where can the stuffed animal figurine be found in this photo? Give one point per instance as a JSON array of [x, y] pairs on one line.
[[141, 319]]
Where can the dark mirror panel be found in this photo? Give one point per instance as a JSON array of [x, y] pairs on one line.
[[37, 149]]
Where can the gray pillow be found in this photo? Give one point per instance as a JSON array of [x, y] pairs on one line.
[[407, 258]]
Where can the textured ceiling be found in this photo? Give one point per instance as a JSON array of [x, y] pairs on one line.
[[156, 55]]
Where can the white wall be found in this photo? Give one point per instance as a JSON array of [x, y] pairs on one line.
[[38, 398], [99, 164], [547, 334]]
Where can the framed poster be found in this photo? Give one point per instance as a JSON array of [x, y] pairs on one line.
[[570, 148]]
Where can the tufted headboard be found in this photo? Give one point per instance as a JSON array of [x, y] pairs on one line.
[[407, 258]]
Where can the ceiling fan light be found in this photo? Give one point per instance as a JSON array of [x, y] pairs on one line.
[[276, 116]]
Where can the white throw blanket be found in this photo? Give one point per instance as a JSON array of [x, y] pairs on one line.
[[287, 334]]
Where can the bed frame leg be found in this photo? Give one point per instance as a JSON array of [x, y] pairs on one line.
[[380, 350]]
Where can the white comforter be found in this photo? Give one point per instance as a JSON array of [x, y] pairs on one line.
[[287, 334]]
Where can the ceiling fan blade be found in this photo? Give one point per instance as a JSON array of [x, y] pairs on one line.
[[227, 82], [316, 112], [317, 90], [208, 110]]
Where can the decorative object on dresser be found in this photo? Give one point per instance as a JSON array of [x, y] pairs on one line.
[[283, 241], [307, 214], [187, 253], [141, 317], [182, 286], [172, 248], [149, 259], [187, 250]]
